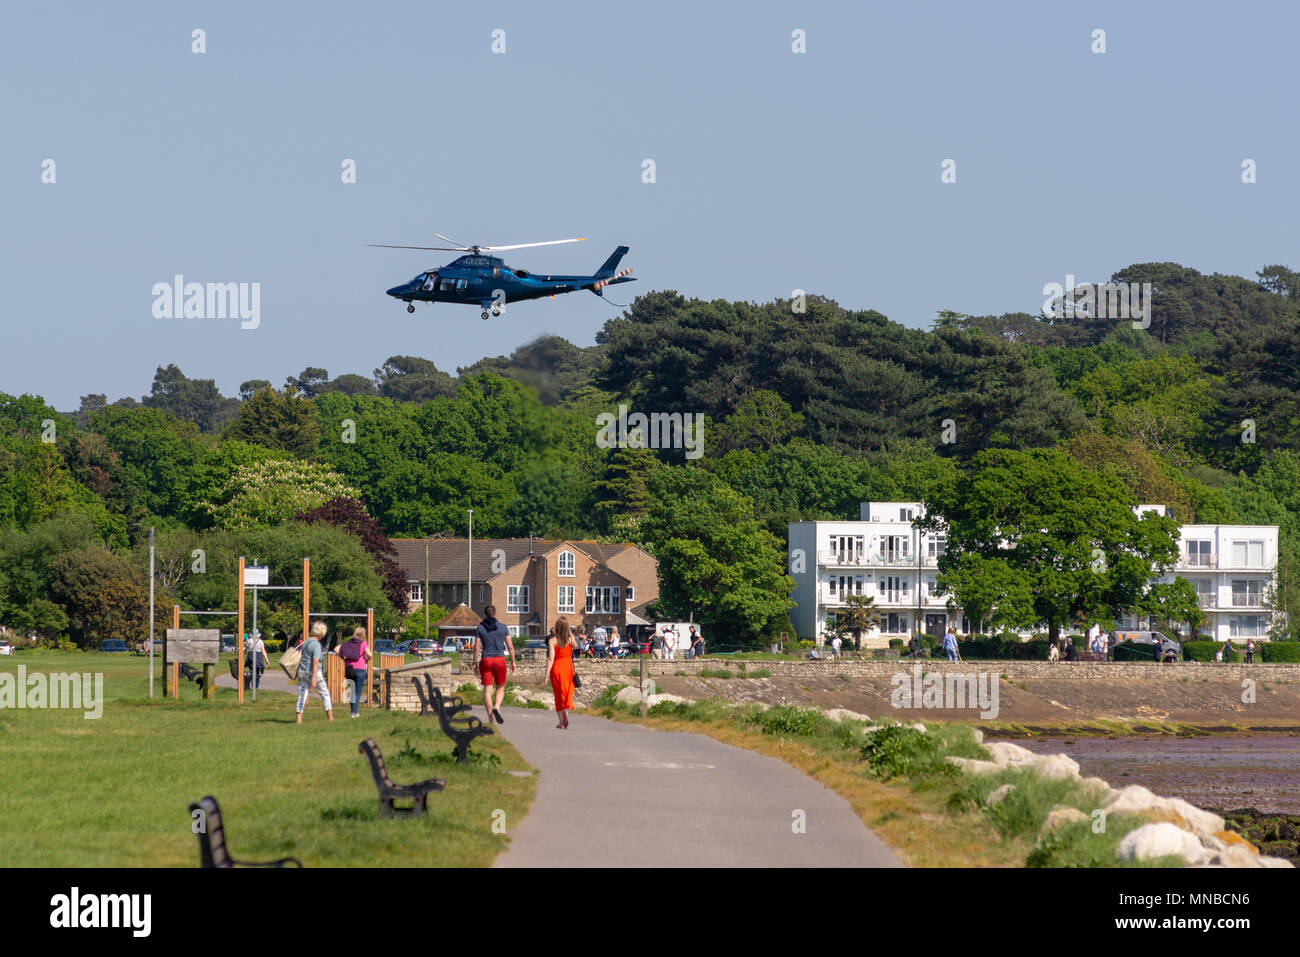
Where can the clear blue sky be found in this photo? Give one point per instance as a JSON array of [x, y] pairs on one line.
[[775, 171]]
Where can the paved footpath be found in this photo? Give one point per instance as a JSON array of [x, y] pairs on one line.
[[621, 795]]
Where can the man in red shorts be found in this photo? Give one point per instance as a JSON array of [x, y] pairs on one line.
[[493, 641]]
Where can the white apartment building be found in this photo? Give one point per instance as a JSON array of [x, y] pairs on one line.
[[884, 556], [880, 555]]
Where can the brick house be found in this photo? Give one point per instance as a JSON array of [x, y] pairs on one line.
[[532, 582]]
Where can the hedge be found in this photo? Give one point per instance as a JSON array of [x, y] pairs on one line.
[[1007, 647]]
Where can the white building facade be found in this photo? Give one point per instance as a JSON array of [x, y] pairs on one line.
[[1232, 568], [880, 555]]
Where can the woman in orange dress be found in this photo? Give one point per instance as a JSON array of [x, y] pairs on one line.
[[559, 668]]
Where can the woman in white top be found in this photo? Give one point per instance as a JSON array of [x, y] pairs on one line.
[[670, 643]]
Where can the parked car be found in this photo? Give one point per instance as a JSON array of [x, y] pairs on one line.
[[5, 647], [424, 647], [386, 646], [228, 644], [114, 645]]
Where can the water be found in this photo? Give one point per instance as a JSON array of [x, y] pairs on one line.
[[1216, 771]]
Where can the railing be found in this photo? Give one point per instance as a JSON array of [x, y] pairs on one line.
[[1208, 601], [1242, 600], [1198, 561]]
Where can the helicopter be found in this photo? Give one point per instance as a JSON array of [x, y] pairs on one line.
[[487, 281]]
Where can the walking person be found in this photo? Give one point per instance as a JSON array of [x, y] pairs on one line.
[[559, 669], [311, 671], [257, 659], [492, 641], [355, 653], [836, 644], [950, 644], [697, 642], [670, 643], [1250, 651], [614, 640]]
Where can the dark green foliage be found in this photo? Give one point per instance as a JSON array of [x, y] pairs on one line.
[[896, 751], [788, 719]]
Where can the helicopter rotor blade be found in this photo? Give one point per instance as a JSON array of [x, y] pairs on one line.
[[450, 240], [552, 242], [447, 249]]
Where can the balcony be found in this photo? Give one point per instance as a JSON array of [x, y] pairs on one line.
[[895, 560], [1197, 561], [845, 560], [1208, 601], [1245, 600]]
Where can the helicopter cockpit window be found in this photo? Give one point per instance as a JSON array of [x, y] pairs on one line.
[[427, 280]]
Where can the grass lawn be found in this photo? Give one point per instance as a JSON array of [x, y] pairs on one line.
[[116, 791]]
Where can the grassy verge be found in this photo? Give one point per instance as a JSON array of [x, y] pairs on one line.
[[898, 782], [115, 791]]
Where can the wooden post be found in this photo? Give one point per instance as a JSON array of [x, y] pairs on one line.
[[370, 640], [172, 672], [239, 637], [306, 598]]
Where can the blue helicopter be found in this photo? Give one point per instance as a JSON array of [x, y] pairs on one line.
[[488, 282]]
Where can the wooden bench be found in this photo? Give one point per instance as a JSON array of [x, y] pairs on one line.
[[390, 792], [465, 730], [212, 840]]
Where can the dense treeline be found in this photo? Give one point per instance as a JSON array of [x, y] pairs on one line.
[[808, 413]]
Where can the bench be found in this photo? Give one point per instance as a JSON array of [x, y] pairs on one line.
[[390, 792], [448, 710], [212, 840]]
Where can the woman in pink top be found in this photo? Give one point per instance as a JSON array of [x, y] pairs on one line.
[[355, 653]]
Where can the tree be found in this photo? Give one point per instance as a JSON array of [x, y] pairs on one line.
[[861, 614], [271, 492], [252, 386], [988, 590], [351, 516], [310, 382], [1168, 602], [1070, 533], [412, 379], [102, 596], [191, 400], [715, 560], [275, 420], [762, 420]]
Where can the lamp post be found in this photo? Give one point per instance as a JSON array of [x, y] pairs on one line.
[[469, 573]]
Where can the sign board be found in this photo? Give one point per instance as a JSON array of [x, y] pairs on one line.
[[257, 575], [192, 645]]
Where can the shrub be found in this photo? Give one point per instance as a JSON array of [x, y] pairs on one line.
[[787, 719], [897, 751], [606, 698], [710, 673], [895, 642], [1288, 651], [1204, 651]]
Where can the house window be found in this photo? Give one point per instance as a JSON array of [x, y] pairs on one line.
[[564, 599], [905, 514], [1248, 592], [516, 599], [936, 544], [1247, 626], [568, 568], [847, 549], [897, 549], [894, 588], [516, 631], [1198, 553], [602, 600], [629, 594], [417, 591], [1248, 554], [894, 624]]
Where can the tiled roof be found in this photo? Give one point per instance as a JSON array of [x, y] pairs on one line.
[[447, 556], [460, 617]]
